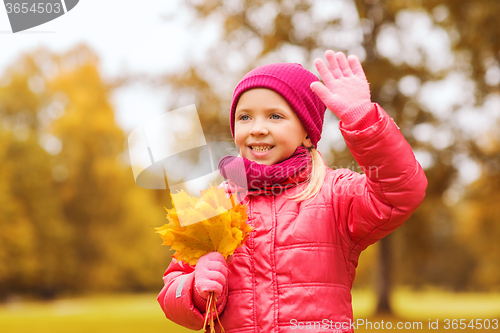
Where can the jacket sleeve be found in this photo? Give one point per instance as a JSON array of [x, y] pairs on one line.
[[179, 300], [369, 206]]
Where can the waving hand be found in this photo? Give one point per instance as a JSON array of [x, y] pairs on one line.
[[345, 90]]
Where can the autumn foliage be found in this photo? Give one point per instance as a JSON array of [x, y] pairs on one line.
[[198, 226]]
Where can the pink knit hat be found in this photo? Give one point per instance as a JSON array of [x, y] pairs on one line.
[[292, 82]]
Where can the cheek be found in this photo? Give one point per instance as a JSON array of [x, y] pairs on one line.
[[239, 138]]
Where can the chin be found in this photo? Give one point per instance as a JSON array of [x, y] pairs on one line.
[[259, 162]]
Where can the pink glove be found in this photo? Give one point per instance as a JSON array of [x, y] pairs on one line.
[[210, 274], [345, 90]]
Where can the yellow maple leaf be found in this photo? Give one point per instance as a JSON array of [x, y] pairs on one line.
[[210, 223]]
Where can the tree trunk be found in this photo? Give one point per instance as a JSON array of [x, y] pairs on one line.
[[384, 283]]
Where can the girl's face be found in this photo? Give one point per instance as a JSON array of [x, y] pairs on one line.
[[266, 129]]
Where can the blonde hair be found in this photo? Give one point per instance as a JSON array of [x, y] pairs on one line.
[[315, 178]]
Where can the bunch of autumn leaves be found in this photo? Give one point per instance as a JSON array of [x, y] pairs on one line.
[[198, 226]]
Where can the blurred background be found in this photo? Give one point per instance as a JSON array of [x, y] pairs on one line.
[[77, 239]]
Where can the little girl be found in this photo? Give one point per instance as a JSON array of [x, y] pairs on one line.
[[311, 223]]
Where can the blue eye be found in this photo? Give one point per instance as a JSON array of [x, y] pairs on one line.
[[274, 116]]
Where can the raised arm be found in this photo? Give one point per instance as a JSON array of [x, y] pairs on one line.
[[372, 205]]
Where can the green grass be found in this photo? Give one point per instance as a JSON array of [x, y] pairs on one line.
[[93, 314], [429, 306], [127, 313]]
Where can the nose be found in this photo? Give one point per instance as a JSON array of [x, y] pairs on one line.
[[259, 128]]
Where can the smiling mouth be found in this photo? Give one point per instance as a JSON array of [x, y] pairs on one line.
[[261, 148]]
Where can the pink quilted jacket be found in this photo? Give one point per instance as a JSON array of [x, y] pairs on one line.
[[297, 268]]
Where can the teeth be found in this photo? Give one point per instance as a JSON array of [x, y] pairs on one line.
[[261, 149]]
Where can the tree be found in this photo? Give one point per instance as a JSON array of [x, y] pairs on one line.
[[73, 219], [33, 226]]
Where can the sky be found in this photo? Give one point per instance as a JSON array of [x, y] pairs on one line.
[[150, 36]]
